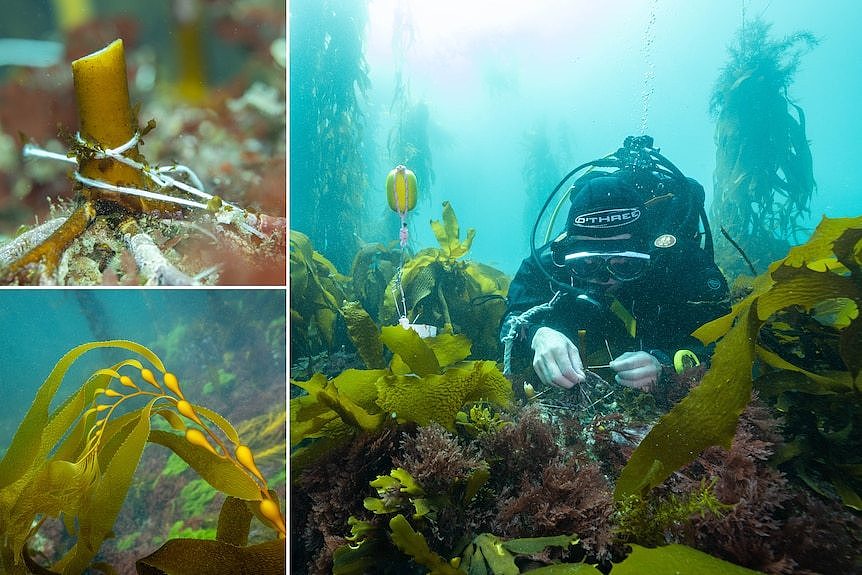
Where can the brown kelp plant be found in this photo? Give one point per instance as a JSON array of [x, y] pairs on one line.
[[440, 287], [328, 92], [74, 463], [127, 206], [764, 176]]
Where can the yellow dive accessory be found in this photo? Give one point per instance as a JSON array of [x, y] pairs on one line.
[[684, 359]]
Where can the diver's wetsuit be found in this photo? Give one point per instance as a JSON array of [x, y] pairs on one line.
[[682, 290]]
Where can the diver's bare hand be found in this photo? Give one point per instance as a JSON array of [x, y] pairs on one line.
[[637, 369], [556, 359]]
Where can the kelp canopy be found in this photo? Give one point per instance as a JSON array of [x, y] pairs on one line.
[[764, 175]]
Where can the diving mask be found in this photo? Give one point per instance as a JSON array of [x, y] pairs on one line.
[[622, 266]]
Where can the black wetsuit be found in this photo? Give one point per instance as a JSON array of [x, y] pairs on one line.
[[682, 290]]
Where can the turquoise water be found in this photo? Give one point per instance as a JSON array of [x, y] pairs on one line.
[[586, 74], [191, 330]]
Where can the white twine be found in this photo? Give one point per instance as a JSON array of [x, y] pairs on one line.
[[226, 213]]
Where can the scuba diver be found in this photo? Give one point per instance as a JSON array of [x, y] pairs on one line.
[[632, 272]]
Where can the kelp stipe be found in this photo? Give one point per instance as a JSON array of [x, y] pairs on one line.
[[77, 461]]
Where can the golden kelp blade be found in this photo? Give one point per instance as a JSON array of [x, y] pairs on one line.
[[77, 461]]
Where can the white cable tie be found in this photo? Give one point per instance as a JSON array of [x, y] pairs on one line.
[[137, 192], [124, 160], [169, 181], [153, 174], [110, 152], [133, 141], [30, 150], [196, 181]]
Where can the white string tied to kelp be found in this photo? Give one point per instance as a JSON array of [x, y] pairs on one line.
[[224, 212]]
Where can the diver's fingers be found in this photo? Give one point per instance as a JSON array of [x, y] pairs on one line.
[[553, 358], [555, 368], [568, 363], [631, 360], [549, 372], [642, 378], [577, 365], [638, 370]]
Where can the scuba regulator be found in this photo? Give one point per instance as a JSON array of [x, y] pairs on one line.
[[674, 201]]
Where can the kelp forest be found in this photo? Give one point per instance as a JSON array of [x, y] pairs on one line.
[[413, 452], [327, 123]]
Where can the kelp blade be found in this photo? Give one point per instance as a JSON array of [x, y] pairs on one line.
[[707, 416], [208, 557], [411, 348], [30, 442], [675, 559], [96, 519], [220, 473], [36, 437]]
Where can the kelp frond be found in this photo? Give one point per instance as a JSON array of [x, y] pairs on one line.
[[826, 269], [427, 380], [316, 293], [76, 461], [755, 53], [444, 289]]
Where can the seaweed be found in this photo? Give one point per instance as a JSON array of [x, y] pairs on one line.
[[527, 496], [227, 552], [76, 462], [373, 267], [408, 140], [825, 269], [116, 190], [444, 290], [329, 83], [735, 505], [764, 175], [316, 293], [540, 174], [442, 464], [424, 523], [426, 381], [676, 558], [440, 288], [648, 521]]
